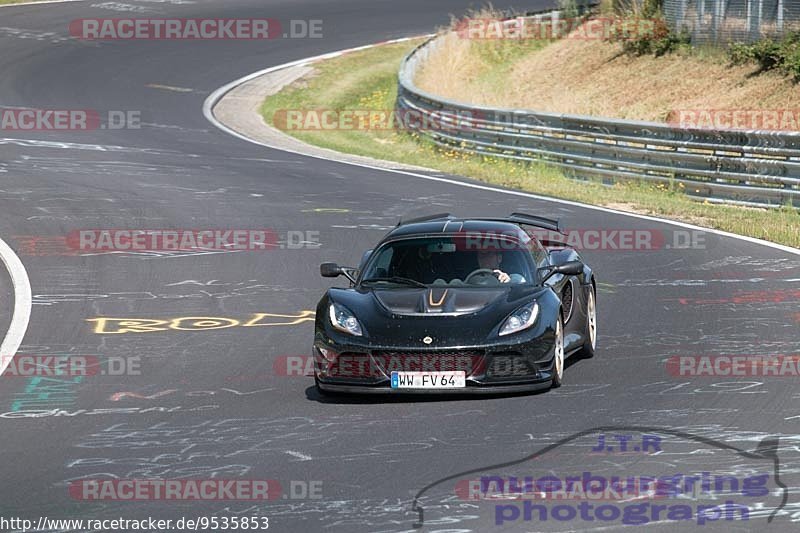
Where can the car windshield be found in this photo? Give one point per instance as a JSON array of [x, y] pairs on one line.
[[447, 261]]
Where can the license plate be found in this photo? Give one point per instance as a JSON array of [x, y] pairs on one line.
[[429, 380]]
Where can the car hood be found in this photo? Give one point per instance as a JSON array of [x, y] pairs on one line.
[[450, 315], [437, 301]]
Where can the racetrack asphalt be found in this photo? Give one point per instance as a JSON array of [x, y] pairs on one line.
[[212, 403]]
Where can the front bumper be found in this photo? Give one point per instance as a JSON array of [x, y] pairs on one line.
[[524, 363], [477, 389]]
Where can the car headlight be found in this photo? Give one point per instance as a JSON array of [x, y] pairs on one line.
[[344, 320], [522, 318]]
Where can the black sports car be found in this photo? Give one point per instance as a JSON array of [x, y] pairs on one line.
[[444, 304]]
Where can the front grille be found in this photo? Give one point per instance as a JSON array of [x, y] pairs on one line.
[[509, 365], [441, 361], [358, 366]]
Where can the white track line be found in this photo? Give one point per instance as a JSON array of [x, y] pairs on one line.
[[216, 96], [19, 276], [44, 2], [301, 456], [22, 305]]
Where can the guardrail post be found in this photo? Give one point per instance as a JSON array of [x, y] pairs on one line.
[[716, 18]]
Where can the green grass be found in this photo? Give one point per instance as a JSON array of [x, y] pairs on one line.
[[368, 80]]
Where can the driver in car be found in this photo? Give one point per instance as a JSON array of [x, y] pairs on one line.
[[491, 259]]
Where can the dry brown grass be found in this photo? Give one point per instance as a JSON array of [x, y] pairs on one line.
[[452, 66], [593, 78]]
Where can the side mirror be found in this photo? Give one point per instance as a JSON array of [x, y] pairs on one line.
[[330, 270], [570, 268]]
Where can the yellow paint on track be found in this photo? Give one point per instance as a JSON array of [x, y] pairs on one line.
[[118, 326]]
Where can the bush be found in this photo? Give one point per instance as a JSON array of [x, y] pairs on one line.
[[569, 8], [783, 55], [791, 63], [658, 39]]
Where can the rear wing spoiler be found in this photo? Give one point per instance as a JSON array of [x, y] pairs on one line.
[[515, 218], [530, 220]]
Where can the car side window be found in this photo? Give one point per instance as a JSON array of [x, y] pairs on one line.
[[538, 251], [380, 268]]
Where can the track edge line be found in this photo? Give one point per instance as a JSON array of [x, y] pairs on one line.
[[22, 305]]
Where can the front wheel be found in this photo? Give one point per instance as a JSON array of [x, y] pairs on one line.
[[558, 356], [590, 343]]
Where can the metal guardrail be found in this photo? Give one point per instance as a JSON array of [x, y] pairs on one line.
[[730, 166]]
